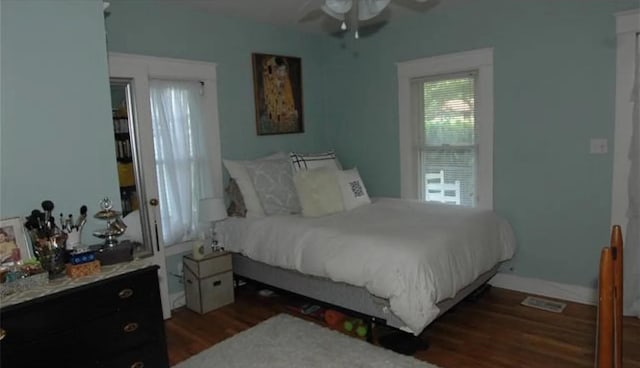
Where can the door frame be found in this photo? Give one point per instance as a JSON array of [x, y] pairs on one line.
[[139, 69], [627, 25]]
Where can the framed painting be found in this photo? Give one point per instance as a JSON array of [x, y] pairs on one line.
[[277, 86], [13, 241]]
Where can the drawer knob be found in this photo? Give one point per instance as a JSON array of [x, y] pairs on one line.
[[3, 333], [137, 365], [125, 293], [130, 327]]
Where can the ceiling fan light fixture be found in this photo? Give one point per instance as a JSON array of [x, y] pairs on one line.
[[339, 6], [355, 11], [368, 9], [338, 16]]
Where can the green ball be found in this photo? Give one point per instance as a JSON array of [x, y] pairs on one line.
[[361, 331], [348, 325]]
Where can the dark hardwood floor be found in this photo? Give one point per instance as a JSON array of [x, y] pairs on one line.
[[493, 331]]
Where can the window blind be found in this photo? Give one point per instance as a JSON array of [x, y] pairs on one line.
[[447, 145]]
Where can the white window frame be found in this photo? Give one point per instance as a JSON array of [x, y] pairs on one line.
[[481, 61], [627, 25]]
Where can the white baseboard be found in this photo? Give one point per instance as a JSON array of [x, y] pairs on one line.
[[177, 300], [572, 293]]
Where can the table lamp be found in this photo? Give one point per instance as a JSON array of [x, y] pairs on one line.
[[212, 210]]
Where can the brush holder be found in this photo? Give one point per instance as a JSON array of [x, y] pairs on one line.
[[52, 261], [73, 239], [51, 253]]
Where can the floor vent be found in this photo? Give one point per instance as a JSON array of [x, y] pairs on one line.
[[544, 304]]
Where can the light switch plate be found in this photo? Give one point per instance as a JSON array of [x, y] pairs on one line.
[[598, 146]]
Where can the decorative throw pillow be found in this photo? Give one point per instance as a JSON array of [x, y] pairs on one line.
[[236, 202], [308, 161], [273, 182], [238, 171], [354, 193], [318, 192], [133, 229]]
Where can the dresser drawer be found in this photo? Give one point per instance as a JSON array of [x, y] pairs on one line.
[[120, 293], [44, 353], [124, 330], [146, 356]]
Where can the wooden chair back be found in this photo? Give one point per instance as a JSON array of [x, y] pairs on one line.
[[610, 299]]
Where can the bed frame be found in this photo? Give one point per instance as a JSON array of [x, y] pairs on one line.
[[349, 297]]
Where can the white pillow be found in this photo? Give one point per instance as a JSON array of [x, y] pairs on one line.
[[238, 171], [354, 193], [273, 182], [133, 231], [318, 192], [308, 161]]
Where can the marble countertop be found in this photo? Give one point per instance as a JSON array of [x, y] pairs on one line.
[[64, 283]]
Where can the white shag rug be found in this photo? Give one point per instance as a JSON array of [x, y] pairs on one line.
[[284, 341]]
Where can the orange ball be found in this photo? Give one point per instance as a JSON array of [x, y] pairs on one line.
[[333, 317]]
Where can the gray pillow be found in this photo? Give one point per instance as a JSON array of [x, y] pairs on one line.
[[273, 181], [236, 202]]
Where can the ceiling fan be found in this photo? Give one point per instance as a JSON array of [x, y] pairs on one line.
[[354, 15]]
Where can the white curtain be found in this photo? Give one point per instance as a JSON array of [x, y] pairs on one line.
[[183, 166], [632, 246]]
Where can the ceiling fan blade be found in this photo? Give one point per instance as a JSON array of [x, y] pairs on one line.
[[312, 16]]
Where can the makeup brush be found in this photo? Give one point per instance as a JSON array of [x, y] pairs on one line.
[[47, 206], [82, 219], [32, 220]]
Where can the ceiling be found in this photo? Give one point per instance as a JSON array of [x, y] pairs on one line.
[[301, 14]]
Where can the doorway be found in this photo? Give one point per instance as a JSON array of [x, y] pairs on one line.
[[153, 83]]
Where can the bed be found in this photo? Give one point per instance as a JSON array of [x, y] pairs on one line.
[[404, 262]]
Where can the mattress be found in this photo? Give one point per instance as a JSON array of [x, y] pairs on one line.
[[411, 253]]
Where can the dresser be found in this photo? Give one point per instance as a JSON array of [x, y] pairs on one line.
[[113, 320]]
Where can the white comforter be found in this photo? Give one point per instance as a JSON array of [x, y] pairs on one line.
[[412, 253]]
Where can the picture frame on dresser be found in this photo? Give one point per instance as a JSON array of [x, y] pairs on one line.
[[13, 236]]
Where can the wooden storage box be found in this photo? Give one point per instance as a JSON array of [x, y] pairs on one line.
[[208, 282], [83, 269]]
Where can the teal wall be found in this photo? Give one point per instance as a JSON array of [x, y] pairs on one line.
[[554, 65], [55, 131]]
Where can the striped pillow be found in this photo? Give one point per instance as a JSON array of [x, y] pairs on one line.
[[308, 161]]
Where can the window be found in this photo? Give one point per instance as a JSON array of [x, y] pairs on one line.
[[446, 128], [447, 150]]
